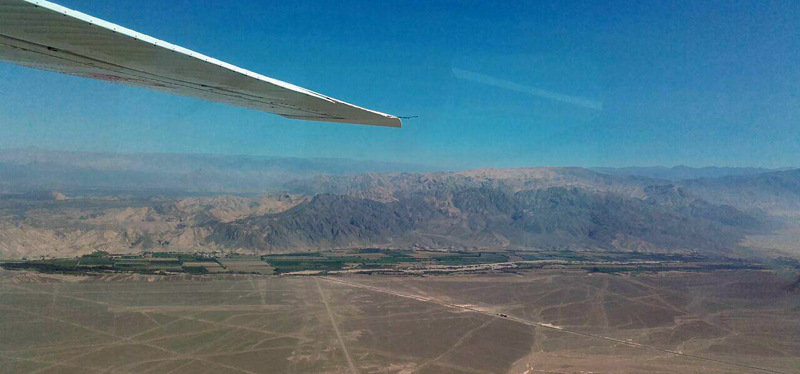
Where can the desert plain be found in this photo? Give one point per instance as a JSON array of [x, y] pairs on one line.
[[537, 321]]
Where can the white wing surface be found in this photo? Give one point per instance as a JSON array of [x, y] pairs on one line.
[[43, 35]]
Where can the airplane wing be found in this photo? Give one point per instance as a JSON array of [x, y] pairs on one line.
[[43, 35]]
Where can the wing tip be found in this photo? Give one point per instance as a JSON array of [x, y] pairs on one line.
[[395, 122]]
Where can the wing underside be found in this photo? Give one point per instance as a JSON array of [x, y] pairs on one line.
[[47, 36]]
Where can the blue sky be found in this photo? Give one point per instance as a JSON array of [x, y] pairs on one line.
[[495, 84]]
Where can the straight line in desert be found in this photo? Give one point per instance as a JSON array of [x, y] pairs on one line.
[[353, 369], [539, 324]]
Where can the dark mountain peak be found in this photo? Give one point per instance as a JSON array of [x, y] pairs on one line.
[[553, 196], [669, 194], [484, 200]]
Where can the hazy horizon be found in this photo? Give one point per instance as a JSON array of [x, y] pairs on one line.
[[400, 163]]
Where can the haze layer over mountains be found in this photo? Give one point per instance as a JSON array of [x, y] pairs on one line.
[[69, 203]]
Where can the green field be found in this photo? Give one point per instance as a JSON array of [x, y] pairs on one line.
[[374, 259]]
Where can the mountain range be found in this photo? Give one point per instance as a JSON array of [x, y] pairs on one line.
[[325, 204], [668, 218]]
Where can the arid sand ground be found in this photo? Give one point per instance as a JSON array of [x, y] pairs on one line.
[[537, 322]]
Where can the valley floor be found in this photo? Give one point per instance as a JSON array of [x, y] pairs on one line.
[[540, 321]]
